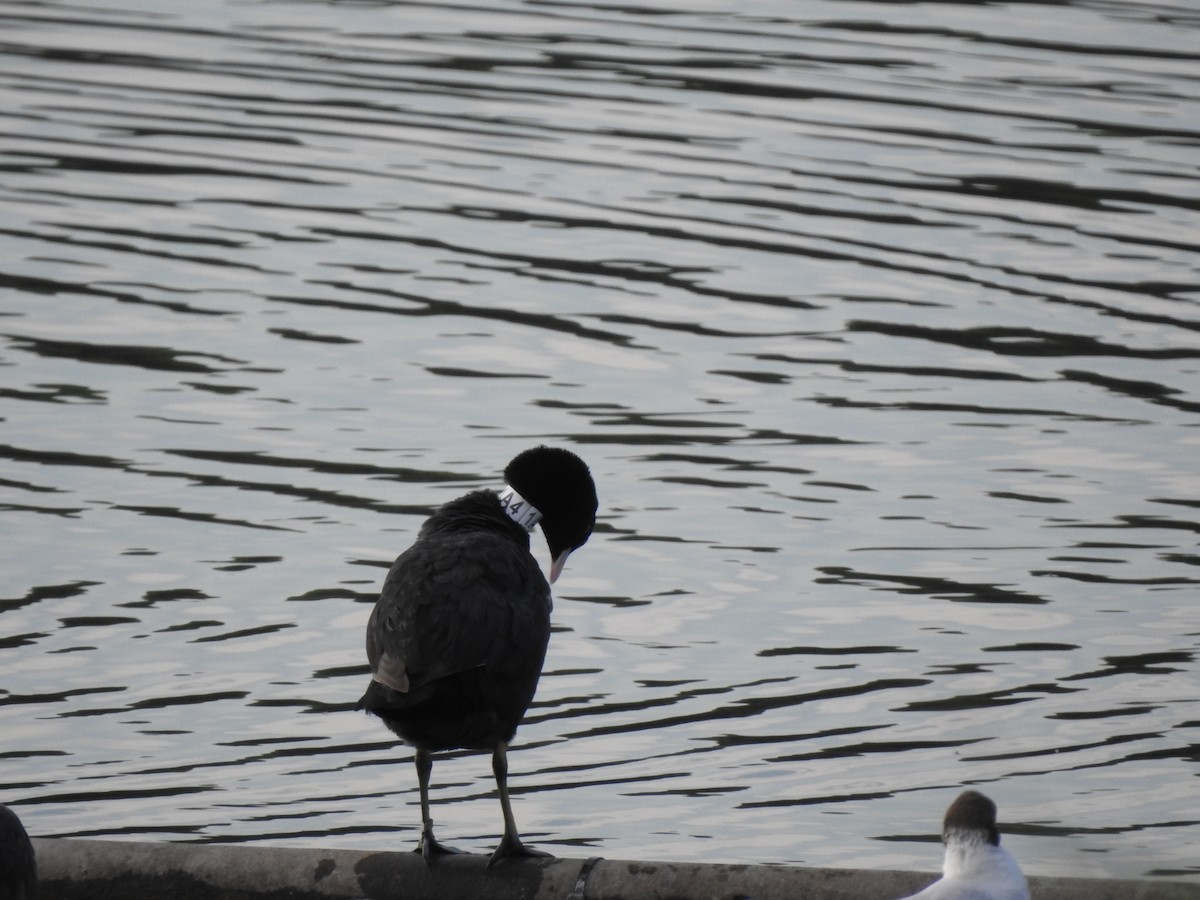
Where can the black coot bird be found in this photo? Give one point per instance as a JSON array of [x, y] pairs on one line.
[[458, 636], [18, 865]]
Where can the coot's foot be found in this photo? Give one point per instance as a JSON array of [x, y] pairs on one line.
[[429, 846], [512, 848]]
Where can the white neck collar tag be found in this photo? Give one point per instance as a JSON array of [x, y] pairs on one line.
[[519, 509]]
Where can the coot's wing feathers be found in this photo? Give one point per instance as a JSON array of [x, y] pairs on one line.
[[456, 601]]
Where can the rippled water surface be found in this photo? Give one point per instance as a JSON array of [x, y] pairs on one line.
[[878, 323]]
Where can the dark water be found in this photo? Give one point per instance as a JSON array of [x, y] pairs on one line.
[[879, 325]]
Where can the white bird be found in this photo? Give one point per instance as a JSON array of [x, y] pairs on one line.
[[975, 867]]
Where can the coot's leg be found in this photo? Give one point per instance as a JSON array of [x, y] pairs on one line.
[[428, 846], [510, 844]]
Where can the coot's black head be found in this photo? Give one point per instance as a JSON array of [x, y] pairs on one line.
[[972, 814], [559, 485]]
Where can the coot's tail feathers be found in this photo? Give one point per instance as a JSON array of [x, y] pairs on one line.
[[375, 697], [381, 699]]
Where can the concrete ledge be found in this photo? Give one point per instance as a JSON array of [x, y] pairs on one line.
[[122, 870]]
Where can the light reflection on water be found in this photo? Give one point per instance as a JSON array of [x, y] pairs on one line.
[[877, 328]]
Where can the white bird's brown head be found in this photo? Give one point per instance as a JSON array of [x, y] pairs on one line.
[[972, 815]]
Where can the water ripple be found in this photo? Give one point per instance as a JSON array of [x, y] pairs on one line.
[[878, 331]]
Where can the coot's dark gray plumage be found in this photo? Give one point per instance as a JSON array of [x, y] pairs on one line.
[[18, 866], [458, 636]]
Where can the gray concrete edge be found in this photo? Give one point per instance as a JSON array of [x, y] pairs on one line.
[[74, 869]]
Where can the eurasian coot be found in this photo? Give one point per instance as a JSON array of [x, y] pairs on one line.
[[18, 866], [457, 638], [975, 867]]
